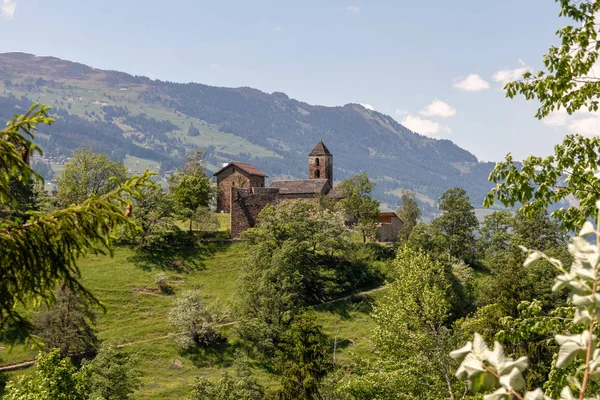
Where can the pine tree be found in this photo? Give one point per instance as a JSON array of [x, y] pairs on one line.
[[41, 251]]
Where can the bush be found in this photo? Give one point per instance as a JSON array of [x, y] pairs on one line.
[[67, 325], [162, 281], [113, 376], [193, 323]]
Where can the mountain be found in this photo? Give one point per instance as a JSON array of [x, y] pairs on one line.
[[152, 123]]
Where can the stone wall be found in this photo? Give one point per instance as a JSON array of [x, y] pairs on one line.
[[245, 206], [324, 166], [388, 232]]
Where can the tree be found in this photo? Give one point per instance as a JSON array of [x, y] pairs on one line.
[[87, 175], [411, 339], [54, 378], [191, 188], [304, 361], [154, 211], [457, 222], [41, 252], [67, 325], [113, 375], [496, 233], [409, 214], [193, 323], [296, 257], [240, 385], [568, 83], [359, 206], [490, 370]]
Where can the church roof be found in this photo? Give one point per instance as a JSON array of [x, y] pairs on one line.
[[248, 168], [320, 150], [336, 194], [305, 186]]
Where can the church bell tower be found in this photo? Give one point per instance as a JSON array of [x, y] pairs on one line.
[[320, 163]]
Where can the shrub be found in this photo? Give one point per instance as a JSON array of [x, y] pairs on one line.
[[193, 323], [162, 281]]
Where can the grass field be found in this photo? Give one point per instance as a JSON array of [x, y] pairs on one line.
[[136, 314]]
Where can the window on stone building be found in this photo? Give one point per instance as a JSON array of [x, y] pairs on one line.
[[317, 173], [317, 162]]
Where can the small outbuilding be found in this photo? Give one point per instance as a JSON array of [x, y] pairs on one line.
[[389, 226]]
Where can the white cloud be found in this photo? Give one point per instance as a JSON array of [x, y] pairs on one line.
[[8, 8], [472, 83], [425, 126], [583, 122], [589, 126], [557, 118], [354, 10], [508, 75], [368, 106], [438, 109]]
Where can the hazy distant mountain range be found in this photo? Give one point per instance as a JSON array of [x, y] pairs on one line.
[[151, 123]]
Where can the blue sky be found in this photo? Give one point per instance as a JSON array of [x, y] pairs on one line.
[[437, 66]]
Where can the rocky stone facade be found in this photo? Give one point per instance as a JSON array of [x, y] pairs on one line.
[[236, 175], [320, 163], [245, 206]]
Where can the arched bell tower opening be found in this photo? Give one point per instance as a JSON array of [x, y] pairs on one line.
[[320, 163]]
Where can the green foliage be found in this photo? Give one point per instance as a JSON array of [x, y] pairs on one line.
[[304, 360], [457, 223], [191, 188], [409, 214], [88, 175], [412, 336], [16, 146], [67, 325], [113, 375], [239, 386], [488, 370], [297, 257], [568, 83], [496, 234], [41, 252], [154, 211], [193, 323], [541, 182], [358, 205], [55, 378]]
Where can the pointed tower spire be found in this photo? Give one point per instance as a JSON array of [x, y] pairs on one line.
[[320, 163]]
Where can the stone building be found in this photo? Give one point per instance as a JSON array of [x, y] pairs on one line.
[[246, 202], [389, 226], [236, 175]]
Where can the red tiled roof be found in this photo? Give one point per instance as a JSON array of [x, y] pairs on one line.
[[248, 168], [388, 214]]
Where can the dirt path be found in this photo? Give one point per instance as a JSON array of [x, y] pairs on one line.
[[29, 363]]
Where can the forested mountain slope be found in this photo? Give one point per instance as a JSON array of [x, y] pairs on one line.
[[152, 123]]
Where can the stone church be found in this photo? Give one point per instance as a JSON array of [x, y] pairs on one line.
[[242, 191]]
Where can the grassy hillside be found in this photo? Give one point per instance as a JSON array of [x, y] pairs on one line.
[[136, 316], [152, 123]]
